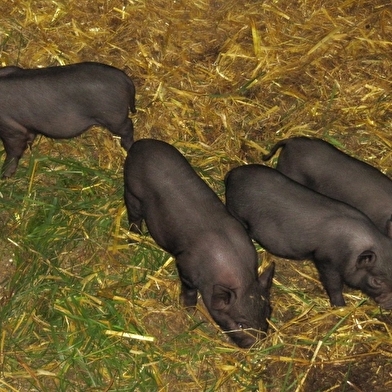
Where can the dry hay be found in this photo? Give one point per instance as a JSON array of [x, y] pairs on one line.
[[225, 80]]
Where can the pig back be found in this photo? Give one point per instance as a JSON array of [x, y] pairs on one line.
[[285, 217], [324, 168], [171, 195], [72, 98]]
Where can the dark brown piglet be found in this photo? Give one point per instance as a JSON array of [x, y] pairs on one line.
[[214, 254], [322, 167], [61, 103], [291, 221]]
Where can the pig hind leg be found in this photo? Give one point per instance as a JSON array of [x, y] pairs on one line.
[[134, 211], [125, 131]]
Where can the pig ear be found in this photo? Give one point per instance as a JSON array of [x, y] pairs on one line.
[[221, 297], [265, 279], [389, 227], [366, 259]]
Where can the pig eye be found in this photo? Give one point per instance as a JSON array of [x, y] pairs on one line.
[[242, 326]]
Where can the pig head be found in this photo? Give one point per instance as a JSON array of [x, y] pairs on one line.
[[62, 102], [214, 255], [320, 166], [294, 222]]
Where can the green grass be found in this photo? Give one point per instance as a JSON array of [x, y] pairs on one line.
[[83, 310], [88, 311]]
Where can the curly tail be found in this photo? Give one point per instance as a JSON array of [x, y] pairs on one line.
[[274, 150]]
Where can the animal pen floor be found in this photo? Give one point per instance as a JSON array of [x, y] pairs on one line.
[[80, 308]]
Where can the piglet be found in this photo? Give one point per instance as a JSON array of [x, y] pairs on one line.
[[291, 221], [214, 255], [61, 103], [325, 169]]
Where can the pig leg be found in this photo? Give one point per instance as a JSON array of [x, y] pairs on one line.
[[188, 295], [134, 210], [125, 131], [14, 147], [333, 284]]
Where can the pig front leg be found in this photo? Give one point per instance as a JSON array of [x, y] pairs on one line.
[[14, 147], [188, 295], [10, 165], [333, 284]]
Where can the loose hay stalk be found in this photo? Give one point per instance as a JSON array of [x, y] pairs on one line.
[[223, 81]]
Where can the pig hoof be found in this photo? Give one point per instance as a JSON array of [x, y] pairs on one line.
[[189, 304], [134, 228], [126, 143], [339, 303]]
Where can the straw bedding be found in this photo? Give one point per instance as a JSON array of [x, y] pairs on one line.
[[224, 80]]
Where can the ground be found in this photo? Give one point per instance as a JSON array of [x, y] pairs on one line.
[[82, 308]]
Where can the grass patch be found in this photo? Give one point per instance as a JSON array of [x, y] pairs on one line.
[[83, 310]]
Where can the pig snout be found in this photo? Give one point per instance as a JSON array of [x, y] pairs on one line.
[[243, 318], [245, 337], [370, 275], [242, 312], [384, 300]]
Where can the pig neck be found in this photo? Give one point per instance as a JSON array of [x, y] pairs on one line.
[[351, 237], [214, 259]]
